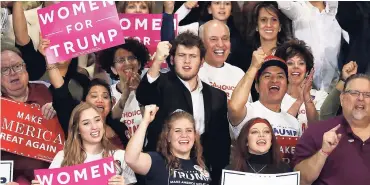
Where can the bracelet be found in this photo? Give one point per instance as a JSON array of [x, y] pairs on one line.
[[50, 67], [326, 153]]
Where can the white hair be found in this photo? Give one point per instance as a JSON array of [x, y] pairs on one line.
[[201, 30]]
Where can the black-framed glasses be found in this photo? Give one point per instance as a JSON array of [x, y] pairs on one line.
[[129, 59], [5, 71], [356, 93]]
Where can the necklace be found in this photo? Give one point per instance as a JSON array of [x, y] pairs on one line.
[[254, 169]]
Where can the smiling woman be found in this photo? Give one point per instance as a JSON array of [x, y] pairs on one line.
[[256, 150], [178, 159], [87, 141]]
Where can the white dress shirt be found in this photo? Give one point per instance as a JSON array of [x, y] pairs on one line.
[[322, 32], [197, 102]]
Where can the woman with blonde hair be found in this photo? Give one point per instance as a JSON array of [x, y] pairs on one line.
[[178, 159], [87, 141]]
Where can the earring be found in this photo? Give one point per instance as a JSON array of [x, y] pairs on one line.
[[257, 29], [279, 29]]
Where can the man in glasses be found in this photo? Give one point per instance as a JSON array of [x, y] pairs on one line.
[[16, 86], [337, 151]]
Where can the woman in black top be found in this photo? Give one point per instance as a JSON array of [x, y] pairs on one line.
[[256, 150], [178, 159]]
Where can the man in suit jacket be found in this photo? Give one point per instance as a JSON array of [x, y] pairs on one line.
[[182, 89]]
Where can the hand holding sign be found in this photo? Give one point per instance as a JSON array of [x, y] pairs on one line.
[[149, 113], [48, 111], [43, 44], [163, 50], [116, 180], [330, 140], [35, 182]]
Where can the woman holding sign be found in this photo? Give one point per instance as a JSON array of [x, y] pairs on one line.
[[87, 141], [178, 159], [256, 150], [97, 92]]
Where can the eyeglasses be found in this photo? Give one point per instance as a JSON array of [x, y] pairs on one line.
[[356, 93], [129, 59], [5, 71]]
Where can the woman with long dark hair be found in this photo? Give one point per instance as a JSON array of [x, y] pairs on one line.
[[267, 29], [179, 151], [256, 150], [87, 141]]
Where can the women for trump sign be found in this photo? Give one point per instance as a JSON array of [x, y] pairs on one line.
[[95, 172], [78, 28]]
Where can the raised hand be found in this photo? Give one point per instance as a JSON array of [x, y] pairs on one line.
[[191, 4], [258, 58], [149, 113], [162, 52], [330, 140], [169, 6], [349, 69], [43, 44]]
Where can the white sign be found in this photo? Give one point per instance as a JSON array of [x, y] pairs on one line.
[[241, 178], [6, 172]]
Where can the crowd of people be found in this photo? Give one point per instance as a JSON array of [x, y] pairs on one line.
[[240, 80]]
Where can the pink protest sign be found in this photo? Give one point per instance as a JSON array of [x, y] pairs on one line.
[[144, 27], [78, 28], [95, 172]]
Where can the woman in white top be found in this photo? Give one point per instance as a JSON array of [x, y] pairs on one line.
[[87, 142], [301, 100], [178, 159]]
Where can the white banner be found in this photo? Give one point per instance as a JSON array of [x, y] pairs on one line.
[[241, 178], [6, 172]]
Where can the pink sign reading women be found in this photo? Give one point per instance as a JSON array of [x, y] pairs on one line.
[[79, 28]]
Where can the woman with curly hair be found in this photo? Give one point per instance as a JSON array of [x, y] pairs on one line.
[[125, 63], [87, 141], [178, 159]]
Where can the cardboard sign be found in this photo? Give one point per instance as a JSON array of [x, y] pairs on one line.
[[78, 28], [287, 147], [146, 28], [230, 177], [95, 172], [6, 171], [25, 132]]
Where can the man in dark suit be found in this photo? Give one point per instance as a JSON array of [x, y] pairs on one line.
[[182, 89]]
